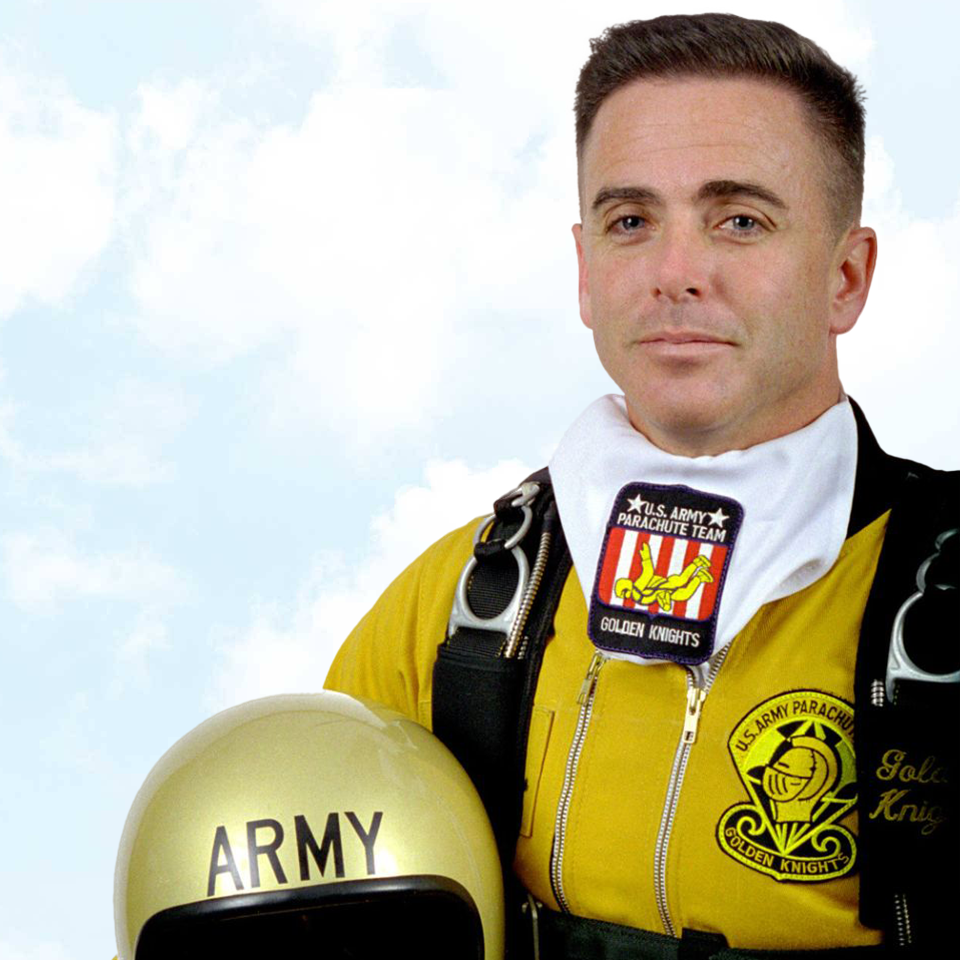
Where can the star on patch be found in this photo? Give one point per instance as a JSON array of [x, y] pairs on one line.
[[717, 517], [636, 503]]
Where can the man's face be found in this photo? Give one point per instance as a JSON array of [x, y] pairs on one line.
[[710, 273]]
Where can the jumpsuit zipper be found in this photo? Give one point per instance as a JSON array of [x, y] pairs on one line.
[[696, 694], [695, 697], [588, 690]]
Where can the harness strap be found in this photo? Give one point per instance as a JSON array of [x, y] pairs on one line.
[[906, 736], [488, 666]]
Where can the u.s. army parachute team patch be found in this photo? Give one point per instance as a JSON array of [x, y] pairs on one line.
[[661, 572], [794, 754]]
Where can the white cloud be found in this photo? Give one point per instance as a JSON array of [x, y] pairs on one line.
[[291, 650], [522, 46], [115, 464], [355, 239], [377, 237], [57, 184], [147, 638], [898, 359], [121, 432], [170, 116], [44, 569]]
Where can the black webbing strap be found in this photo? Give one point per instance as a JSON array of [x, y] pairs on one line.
[[568, 937], [908, 751], [481, 701]]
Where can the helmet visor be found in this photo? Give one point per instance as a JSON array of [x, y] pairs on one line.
[[360, 920]]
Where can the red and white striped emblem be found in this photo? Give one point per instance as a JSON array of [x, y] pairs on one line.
[[670, 555]]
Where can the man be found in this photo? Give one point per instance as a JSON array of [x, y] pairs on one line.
[[690, 765]]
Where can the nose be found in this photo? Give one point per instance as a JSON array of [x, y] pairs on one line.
[[681, 268]]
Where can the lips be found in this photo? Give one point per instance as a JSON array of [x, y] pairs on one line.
[[679, 337], [685, 348]]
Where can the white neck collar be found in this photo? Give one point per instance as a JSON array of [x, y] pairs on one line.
[[796, 493]]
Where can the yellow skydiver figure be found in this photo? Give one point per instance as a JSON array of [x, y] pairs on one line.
[[665, 591]]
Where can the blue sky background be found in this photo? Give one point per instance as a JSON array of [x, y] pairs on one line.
[[287, 290]]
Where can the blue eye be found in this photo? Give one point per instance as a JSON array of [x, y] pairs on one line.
[[741, 223], [632, 223]]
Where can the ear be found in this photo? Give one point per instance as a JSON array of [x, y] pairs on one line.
[[584, 280], [856, 258]]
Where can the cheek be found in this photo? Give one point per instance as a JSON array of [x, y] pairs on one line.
[[616, 284], [778, 299], [792, 335]]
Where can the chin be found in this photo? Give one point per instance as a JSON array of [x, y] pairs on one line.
[[681, 410], [685, 426], [674, 422]]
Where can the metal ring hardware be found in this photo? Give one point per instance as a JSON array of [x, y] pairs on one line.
[[462, 615], [526, 493], [925, 566], [899, 664]]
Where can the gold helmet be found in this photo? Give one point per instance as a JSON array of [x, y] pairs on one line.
[[295, 824]]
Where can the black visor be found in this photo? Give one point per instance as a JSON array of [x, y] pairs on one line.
[[432, 918]]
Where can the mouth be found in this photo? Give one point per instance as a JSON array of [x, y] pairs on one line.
[[683, 338], [684, 346]]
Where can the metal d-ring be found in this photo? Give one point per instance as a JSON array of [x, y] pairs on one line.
[[525, 494], [899, 664], [462, 615]]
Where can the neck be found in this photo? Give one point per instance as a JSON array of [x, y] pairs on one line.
[[715, 439]]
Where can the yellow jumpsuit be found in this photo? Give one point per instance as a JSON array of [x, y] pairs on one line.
[[748, 829]]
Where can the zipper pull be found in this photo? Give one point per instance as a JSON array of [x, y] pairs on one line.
[[590, 680], [695, 698]]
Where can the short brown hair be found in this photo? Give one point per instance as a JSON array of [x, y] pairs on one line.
[[724, 45]]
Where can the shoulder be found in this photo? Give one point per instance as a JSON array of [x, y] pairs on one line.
[[389, 655], [881, 480]]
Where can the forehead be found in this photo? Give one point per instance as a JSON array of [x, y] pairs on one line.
[[676, 134]]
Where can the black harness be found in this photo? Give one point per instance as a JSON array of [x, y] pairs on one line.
[[906, 690]]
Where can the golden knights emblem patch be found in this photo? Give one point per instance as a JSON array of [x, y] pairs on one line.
[[661, 572], [794, 754]]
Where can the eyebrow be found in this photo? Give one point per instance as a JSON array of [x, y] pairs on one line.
[[721, 189], [711, 190], [637, 194]]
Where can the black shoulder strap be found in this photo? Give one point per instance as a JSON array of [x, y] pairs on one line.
[[484, 679], [908, 746]]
